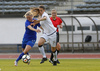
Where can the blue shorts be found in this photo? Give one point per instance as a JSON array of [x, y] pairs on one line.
[[26, 42]]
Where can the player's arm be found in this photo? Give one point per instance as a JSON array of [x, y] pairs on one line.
[[34, 23], [41, 19], [41, 27], [61, 25], [31, 28]]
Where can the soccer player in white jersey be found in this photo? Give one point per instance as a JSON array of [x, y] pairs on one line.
[[49, 34]]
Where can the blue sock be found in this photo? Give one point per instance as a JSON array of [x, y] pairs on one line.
[[20, 56], [27, 53]]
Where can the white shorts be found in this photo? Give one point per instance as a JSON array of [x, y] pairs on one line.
[[52, 39]]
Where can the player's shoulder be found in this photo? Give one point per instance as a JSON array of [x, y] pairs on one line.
[[44, 14]]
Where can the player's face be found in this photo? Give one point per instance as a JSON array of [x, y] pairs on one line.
[[54, 13], [29, 18], [41, 10]]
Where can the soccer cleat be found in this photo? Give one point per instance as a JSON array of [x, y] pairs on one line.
[[58, 61], [51, 61], [16, 63], [54, 63], [43, 59]]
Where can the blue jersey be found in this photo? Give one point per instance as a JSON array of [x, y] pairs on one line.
[[29, 34]]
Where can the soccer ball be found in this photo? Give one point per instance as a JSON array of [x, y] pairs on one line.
[[26, 58]]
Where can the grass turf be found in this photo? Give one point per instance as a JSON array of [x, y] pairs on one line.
[[66, 65]]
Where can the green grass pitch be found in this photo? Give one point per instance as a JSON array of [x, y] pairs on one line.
[[66, 65]]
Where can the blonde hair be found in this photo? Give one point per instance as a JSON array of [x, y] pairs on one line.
[[34, 11], [53, 10], [28, 14]]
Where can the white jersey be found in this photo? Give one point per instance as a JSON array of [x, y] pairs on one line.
[[47, 24]]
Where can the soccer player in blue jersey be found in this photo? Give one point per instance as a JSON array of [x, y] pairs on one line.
[[30, 35]]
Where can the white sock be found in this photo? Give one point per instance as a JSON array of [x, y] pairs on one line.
[[55, 56], [41, 49]]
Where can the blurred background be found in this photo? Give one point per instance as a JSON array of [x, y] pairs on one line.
[[81, 24]]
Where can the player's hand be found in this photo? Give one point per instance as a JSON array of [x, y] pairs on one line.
[[60, 26], [35, 21], [33, 24], [38, 31]]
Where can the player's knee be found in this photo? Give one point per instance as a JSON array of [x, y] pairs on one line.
[[53, 49], [25, 52], [39, 44]]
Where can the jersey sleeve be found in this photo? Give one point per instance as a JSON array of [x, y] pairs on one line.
[[44, 15], [27, 24]]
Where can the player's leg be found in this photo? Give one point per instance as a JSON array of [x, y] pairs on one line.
[[23, 47], [26, 48], [51, 58], [58, 49], [58, 45], [53, 42], [23, 50], [54, 51], [41, 49]]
